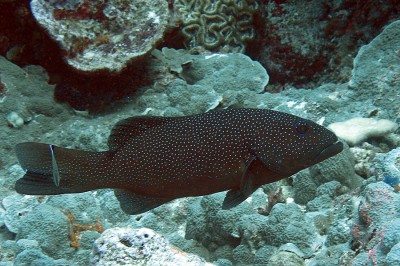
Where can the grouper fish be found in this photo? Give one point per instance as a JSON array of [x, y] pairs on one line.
[[153, 160]]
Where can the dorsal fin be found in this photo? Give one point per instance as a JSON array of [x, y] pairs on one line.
[[130, 127]]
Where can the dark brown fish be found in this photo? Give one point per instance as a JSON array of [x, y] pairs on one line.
[[153, 160]]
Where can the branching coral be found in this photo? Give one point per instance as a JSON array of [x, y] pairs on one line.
[[75, 229], [222, 25]]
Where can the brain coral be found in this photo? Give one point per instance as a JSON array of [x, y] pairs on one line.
[[103, 34], [217, 25]]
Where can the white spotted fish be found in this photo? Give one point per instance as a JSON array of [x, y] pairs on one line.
[[153, 160]]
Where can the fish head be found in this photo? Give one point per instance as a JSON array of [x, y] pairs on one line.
[[296, 143]]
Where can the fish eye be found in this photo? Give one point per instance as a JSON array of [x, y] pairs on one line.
[[301, 127]]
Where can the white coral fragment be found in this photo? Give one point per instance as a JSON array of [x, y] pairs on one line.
[[357, 130]]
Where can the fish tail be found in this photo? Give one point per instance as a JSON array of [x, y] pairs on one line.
[[54, 170]]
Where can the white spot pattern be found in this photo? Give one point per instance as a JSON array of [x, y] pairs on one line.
[[206, 153]]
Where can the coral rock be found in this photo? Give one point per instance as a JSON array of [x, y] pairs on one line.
[[387, 168], [376, 64], [103, 34], [128, 246]]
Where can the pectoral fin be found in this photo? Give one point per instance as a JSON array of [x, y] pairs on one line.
[[235, 197]]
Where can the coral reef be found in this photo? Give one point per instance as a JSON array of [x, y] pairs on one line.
[[27, 99], [245, 232], [325, 215], [376, 228], [127, 246], [386, 168], [363, 157], [47, 225], [103, 34], [210, 225], [376, 73], [142, 246], [16, 207], [341, 169], [75, 219], [200, 83], [222, 25], [22, 84], [393, 257], [286, 224], [376, 63], [315, 41], [332, 177]]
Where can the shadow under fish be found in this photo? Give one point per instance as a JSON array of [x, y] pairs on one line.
[[153, 160]]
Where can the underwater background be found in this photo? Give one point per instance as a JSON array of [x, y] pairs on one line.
[[70, 70]]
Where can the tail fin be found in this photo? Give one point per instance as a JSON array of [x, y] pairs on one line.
[[53, 170]]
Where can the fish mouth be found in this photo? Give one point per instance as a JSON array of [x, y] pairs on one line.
[[329, 151]]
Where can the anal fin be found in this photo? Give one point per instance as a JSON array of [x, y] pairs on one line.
[[132, 203]]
